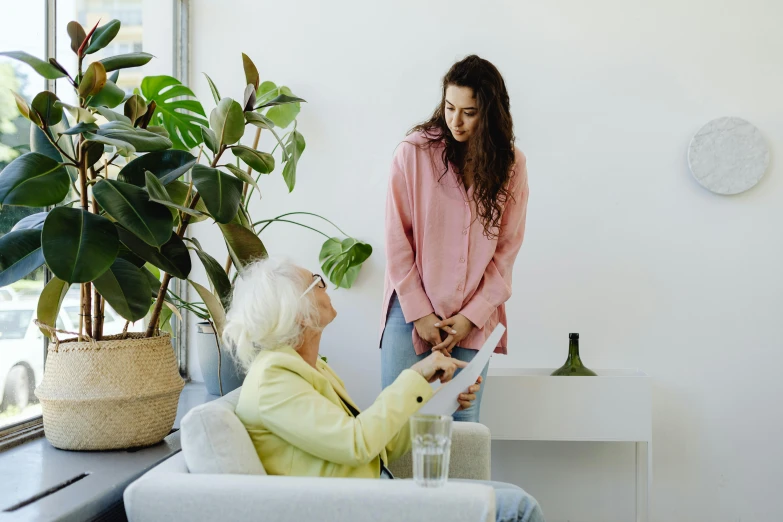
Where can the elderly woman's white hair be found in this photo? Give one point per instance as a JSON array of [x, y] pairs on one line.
[[267, 309]]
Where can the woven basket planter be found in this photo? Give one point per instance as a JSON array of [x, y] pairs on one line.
[[115, 393]]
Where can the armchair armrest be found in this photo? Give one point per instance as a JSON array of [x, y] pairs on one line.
[[170, 494], [471, 454]]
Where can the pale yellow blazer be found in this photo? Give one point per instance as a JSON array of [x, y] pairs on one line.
[[300, 426]]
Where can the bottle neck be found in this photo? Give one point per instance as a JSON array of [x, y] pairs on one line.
[[573, 352]]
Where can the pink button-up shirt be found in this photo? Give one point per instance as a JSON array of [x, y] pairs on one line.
[[437, 256]]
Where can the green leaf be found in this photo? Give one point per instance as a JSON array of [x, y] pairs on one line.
[[45, 69], [167, 165], [80, 128], [178, 192], [126, 289], [259, 120], [262, 122], [141, 139], [266, 91], [41, 144], [164, 319], [172, 258], [32, 221], [152, 273], [127, 255], [213, 88], [76, 34], [155, 189], [124, 61], [123, 147], [251, 72], [210, 140], [159, 130], [282, 99], [79, 115], [49, 302], [295, 147], [135, 107], [24, 109], [132, 208], [212, 303], [159, 194], [342, 260], [180, 117], [78, 246], [227, 121], [221, 192], [217, 276], [284, 115], [48, 110], [244, 246], [111, 115], [241, 174], [261, 162], [103, 36], [109, 96], [114, 77], [20, 254], [94, 152], [249, 99], [33, 180], [93, 80]]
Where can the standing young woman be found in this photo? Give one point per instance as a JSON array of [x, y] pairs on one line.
[[455, 220]]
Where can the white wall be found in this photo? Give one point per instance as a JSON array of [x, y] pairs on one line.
[[622, 245]]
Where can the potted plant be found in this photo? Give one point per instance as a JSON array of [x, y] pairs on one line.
[[273, 108], [127, 224]]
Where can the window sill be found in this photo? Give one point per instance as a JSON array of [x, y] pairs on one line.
[[35, 467]]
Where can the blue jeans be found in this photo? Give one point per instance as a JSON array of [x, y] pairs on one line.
[[512, 503], [398, 354]]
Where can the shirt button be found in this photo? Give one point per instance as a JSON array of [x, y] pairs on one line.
[[461, 259], [464, 232], [419, 399], [459, 287]]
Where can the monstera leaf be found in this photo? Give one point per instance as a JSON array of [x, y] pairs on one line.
[[182, 118], [342, 260]]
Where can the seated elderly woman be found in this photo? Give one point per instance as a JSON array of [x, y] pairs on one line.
[[296, 409]]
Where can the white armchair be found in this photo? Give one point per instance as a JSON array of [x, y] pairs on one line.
[[215, 478]]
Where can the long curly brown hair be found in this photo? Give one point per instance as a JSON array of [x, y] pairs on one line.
[[489, 154]]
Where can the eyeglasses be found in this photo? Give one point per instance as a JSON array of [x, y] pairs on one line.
[[318, 281]]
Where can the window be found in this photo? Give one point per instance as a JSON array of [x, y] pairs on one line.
[[21, 351], [146, 26]]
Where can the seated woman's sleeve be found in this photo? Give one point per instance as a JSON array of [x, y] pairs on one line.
[[295, 411], [400, 443]]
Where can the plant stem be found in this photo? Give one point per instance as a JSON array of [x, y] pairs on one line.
[[167, 278], [269, 221], [107, 163], [304, 214], [56, 146], [97, 331], [87, 287]]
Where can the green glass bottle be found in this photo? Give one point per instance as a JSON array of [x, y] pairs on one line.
[[573, 365]]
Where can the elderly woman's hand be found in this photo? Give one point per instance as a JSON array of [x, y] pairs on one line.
[[466, 399], [438, 366]]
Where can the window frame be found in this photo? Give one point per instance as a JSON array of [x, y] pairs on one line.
[[25, 430]]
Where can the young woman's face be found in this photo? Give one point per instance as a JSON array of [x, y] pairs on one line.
[[461, 112]]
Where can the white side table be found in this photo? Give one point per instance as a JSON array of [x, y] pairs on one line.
[[616, 406]]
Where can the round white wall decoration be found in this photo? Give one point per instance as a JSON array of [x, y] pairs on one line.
[[728, 156]]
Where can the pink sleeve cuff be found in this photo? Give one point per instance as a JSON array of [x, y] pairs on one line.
[[478, 311]]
